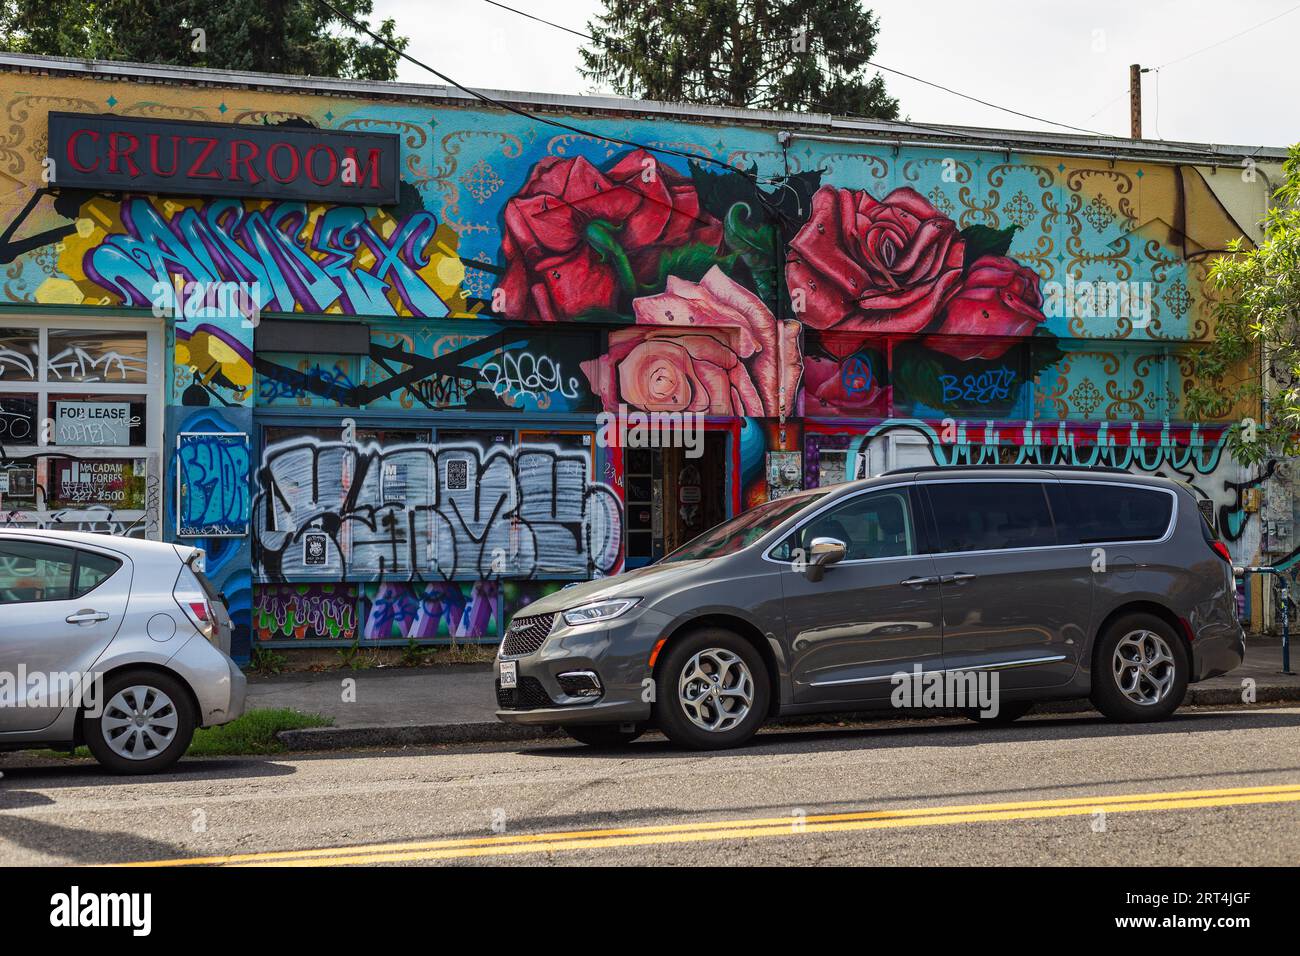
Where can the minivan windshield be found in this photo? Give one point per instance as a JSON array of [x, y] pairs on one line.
[[742, 530]]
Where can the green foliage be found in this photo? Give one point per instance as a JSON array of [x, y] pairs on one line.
[[355, 658], [299, 37], [806, 55], [1258, 316], [266, 662], [252, 733], [414, 654]]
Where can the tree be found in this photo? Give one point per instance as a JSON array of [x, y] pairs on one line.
[[1258, 328], [770, 54], [300, 37]]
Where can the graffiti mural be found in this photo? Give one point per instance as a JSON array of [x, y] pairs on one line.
[[431, 611], [288, 256], [435, 368], [356, 512], [833, 308], [207, 478], [212, 484], [305, 612]]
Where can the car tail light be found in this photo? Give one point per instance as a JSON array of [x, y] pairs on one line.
[[1221, 549], [191, 598]]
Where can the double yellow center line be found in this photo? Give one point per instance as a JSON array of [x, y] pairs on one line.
[[786, 826]]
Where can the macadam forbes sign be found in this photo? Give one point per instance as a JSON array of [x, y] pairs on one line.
[[129, 154]]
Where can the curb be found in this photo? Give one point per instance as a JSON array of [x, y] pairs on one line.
[[424, 735]]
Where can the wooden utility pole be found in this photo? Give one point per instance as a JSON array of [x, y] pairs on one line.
[[1135, 100]]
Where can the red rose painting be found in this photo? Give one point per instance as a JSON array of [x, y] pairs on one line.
[[873, 266], [900, 266], [576, 236], [998, 304]]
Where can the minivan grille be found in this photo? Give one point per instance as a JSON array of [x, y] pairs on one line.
[[526, 634], [528, 695]]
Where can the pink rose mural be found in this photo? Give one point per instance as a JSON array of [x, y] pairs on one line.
[[710, 346]]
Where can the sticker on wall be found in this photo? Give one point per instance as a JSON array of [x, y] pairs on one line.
[[457, 475], [315, 549]]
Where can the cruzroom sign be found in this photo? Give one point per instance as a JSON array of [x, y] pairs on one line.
[[130, 154]]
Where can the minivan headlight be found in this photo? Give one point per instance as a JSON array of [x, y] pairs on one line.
[[598, 611]]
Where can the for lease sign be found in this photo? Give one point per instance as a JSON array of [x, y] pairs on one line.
[[92, 423]]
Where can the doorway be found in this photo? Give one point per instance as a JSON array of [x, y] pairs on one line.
[[672, 498]]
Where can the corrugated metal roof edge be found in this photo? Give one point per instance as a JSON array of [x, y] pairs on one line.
[[887, 131]]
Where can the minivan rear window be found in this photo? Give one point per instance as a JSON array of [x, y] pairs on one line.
[[1097, 513], [990, 515]]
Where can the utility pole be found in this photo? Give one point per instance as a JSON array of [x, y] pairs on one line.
[[1135, 101]]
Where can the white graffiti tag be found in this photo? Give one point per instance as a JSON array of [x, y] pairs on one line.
[[450, 511]]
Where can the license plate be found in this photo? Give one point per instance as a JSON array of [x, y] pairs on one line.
[[509, 673]]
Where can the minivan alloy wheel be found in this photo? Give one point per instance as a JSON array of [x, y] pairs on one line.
[[139, 722], [716, 689], [1144, 667]]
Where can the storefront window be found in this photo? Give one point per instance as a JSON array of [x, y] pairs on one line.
[[80, 420], [19, 355], [101, 421], [77, 355]]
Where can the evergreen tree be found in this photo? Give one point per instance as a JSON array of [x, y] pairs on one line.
[[771, 54], [300, 37]]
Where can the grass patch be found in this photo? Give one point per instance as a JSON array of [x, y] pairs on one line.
[[253, 733]]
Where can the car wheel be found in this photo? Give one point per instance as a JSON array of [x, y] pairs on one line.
[[603, 735], [1139, 670], [711, 690], [1009, 711], [144, 725]]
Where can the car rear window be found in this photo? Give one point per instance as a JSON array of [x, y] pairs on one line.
[[1096, 513], [92, 571]]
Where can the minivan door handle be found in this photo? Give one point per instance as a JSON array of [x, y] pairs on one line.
[[918, 582], [961, 577], [87, 617]]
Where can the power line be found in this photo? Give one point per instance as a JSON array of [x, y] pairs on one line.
[[1187, 56], [519, 111], [549, 23], [1231, 38], [878, 66], [976, 99]]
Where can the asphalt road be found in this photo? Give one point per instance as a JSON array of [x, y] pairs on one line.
[[1214, 787]]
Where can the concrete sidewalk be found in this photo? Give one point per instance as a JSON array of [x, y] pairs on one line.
[[457, 703]]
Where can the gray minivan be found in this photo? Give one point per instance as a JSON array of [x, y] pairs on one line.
[[1056, 583]]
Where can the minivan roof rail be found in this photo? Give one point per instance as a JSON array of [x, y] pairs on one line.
[[1105, 469]]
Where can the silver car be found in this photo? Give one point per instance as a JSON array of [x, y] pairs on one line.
[[117, 643]]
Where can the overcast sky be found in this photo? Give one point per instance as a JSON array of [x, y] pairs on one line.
[[1068, 62]]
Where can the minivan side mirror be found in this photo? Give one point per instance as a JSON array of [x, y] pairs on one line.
[[822, 553]]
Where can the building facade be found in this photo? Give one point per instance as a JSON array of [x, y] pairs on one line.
[[358, 340]]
